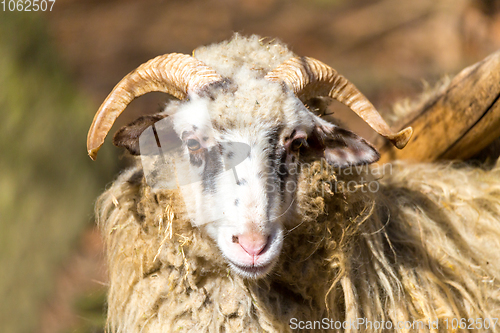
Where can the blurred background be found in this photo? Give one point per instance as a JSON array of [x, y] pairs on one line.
[[56, 67]]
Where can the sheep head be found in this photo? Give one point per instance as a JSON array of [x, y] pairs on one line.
[[234, 145]]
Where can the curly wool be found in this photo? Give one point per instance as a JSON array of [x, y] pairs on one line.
[[252, 54], [425, 246]]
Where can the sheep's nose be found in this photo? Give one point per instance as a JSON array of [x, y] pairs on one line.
[[253, 243]]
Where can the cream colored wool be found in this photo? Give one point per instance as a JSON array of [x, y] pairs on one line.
[[259, 55], [423, 247]]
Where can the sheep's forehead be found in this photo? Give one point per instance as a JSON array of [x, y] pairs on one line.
[[251, 110], [257, 105]]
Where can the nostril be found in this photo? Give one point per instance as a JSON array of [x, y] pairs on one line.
[[253, 243]]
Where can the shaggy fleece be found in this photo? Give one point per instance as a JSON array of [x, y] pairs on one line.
[[420, 243]]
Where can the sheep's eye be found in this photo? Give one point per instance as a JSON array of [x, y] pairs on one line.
[[297, 144], [193, 144]]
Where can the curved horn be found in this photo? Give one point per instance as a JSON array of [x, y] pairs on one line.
[[308, 77], [174, 73]]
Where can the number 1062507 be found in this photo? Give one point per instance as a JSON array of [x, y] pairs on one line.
[[27, 5]]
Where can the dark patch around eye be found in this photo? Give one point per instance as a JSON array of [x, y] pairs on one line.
[[272, 161], [195, 127], [282, 171], [196, 159], [230, 155], [273, 138], [213, 166]]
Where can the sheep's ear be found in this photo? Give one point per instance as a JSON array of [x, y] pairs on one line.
[[128, 136], [339, 147]]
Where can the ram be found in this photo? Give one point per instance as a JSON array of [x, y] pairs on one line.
[[246, 211]]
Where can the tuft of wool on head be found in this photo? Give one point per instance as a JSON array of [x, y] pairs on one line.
[[253, 54]]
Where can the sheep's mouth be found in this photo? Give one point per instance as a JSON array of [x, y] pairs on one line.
[[253, 266], [253, 271]]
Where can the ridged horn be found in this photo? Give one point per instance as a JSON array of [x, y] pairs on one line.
[[175, 74], [308, 77]]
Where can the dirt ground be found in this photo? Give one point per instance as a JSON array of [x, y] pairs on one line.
[[386, 47]]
